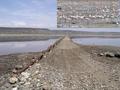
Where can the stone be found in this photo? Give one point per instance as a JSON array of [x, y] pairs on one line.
[[27, 83], [18, 67], [14, 71], [33, 60], [25, 74], [109, 54], [59, 8], [13, 80], [117, 55], [101, 54], [44, 56], [36, 72], [15, 88]]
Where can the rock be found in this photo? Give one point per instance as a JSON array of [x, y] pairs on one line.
[[33, 57], [36, 72], [13, 80], [109, 54], [15, 88], [101, 54], [24, 76], [59, 8], [44, 56], [117, 55], [18, 67], [27, 83], [14, 71], [46, 86], [33, 60]]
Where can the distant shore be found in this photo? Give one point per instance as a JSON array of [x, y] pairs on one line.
[[36, 34]]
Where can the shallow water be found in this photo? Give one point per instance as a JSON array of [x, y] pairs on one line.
[[37, 46], [26, 46], [98, 41], [92, 29]]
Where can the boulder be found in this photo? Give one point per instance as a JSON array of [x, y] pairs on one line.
[[101, 54], [109, 54], [117, 55], [18, 67], [13, 80]]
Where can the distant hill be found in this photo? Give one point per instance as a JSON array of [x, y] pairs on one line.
[[14, 30], [20, 30]]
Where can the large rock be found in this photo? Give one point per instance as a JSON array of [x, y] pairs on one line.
[[109, 54], [13, 80], [18, 67], [117, 55], [101, 54]]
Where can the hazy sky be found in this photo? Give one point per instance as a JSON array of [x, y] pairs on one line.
[[29, 13]]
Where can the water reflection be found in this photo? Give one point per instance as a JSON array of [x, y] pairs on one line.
[[37, 46], [26, 46], [98, 41]]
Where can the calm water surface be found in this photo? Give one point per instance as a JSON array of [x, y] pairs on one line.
[[26, 46], [37, 46], [98, 41]]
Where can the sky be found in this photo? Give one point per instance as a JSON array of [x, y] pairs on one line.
[[28, 13]]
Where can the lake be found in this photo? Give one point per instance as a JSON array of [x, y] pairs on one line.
[[37, 46], [91, 29], [98, 41], [26, 46]]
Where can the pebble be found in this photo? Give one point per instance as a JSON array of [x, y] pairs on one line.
[[27, 83], [101, 54], [14, 71], [36, 72]]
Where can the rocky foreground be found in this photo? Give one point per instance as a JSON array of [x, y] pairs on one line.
[[69, 66], [87, 13]]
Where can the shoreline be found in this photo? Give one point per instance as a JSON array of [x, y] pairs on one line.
[[41, 38], [26, 54]]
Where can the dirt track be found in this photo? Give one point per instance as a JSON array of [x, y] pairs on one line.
[[69, 66]]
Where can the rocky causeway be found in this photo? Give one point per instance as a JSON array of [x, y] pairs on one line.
[[68, 66]]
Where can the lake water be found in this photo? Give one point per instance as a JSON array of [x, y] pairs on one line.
[[37, 46], [91, 29], [98, 41], [26, 46]]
